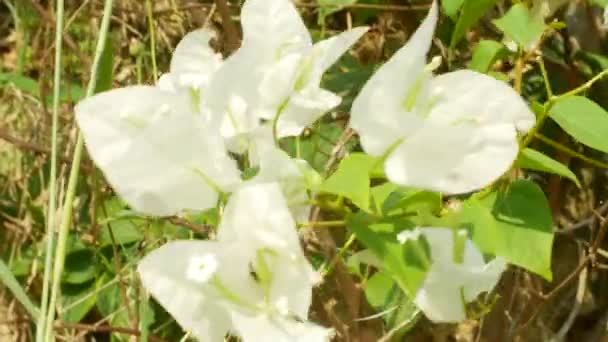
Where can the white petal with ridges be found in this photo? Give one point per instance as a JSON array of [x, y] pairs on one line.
[[378, 111], [258, 213], [194, 61], [448, 283], [164, 272], [252, 328], [155, 150]]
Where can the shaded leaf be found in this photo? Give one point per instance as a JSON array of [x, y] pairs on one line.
[[472, 11], [515, 224], [407, 263], [533, 160], [486, 53]]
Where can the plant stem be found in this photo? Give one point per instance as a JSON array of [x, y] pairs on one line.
[[152, 38], [570, 151], [52, 209], [66, 218], [585, 86], [552, 100], [543, 70], [322, 224]]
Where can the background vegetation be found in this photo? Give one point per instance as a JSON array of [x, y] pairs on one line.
[[101, 297]]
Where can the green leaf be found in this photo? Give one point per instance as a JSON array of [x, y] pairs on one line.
[[380, 194], [407, 263], [124, 229], [486, 53], [12, 284], [533, 160], [80, 267], [23, 83], [520, 26], [384, 295], [105, 72], [451, 7], [109, 299], [472, 11], [77, 301], [583, 119], [515, 224], [351, 180]]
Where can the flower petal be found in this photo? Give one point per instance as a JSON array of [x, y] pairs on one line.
[[277, 166], [327, 52], [453, 159], [277, 329], [258, 214], [467, 95], [303, 109], [277, 85], [293, 281], [155, 151], [164, 272], [194, 61], [378, 113], [273, 26], [448, 283]]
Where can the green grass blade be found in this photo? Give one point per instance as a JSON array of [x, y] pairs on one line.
[[8, 279]]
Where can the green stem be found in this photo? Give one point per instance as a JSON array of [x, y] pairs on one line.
[[322, 224], [543, 71], [66, 217], [52, 209], [150, 15], [553, 99], [587, 85], [570, 151]]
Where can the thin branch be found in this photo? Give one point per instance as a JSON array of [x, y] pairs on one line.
[[29, 146], [195, 228]]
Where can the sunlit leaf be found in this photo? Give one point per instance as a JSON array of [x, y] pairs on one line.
[[515, 224], [583, 119]]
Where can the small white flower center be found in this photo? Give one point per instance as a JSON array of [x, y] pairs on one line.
[[201, 269]]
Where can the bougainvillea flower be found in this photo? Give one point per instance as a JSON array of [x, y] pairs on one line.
[[275, 76], [295, 177], [452, 133], [253, 281], [193, 63], [453, 281], [156, 145]]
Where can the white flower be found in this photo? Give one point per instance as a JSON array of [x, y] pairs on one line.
[[155, 146], [293, 175], [255, 281], [276, 74], [193, 62], [448, 284], [452, 133]]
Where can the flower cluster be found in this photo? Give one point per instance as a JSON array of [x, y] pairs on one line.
[[171, 147]]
